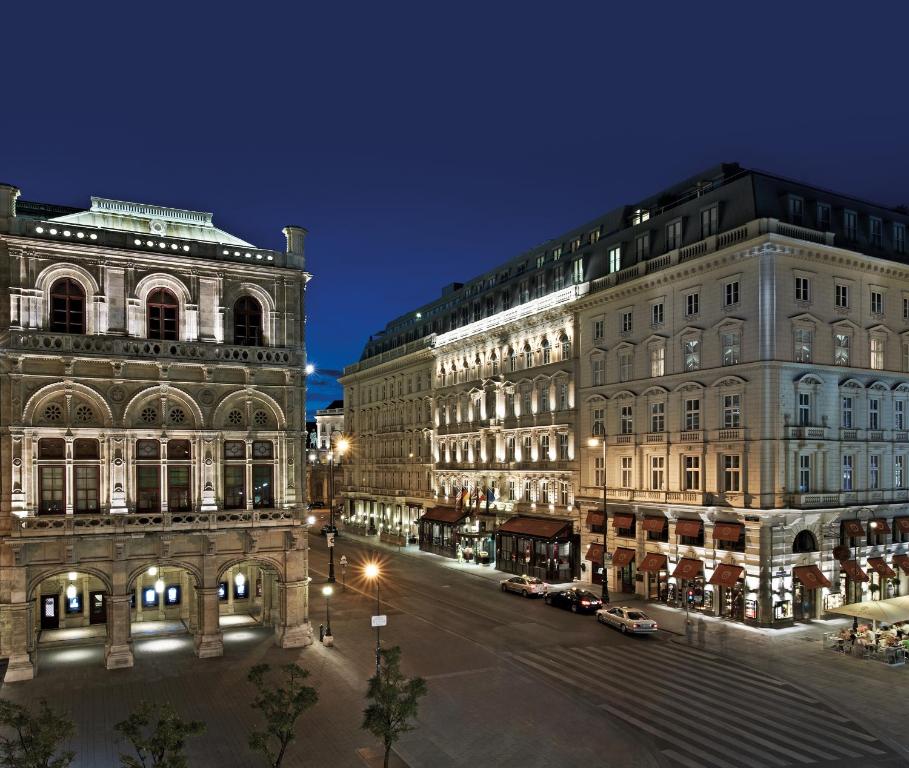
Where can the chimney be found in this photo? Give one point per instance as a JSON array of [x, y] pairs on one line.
[[8, 195], [296, 237]]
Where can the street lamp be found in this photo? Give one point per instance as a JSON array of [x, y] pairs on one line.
[[371, 571], [593, 443], [341, 447], [310, 369], [327, 639]]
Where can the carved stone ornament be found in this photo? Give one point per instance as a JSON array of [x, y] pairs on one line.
[[118, 394], [206, 397], [17, 462]]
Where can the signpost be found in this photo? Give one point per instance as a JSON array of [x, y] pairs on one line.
[[379, 621], [344, 572], [330, 539]]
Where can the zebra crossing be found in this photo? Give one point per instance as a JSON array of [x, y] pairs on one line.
[[705, 712]]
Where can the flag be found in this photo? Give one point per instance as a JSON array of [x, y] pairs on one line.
[[465, 496], [456, 493], [476, 496], [490, 497]]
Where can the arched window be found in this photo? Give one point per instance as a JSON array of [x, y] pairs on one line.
[[67, 307], [804, 542], [247, 322], [163, 315]]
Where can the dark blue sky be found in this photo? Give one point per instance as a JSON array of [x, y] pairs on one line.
[[422, 145]]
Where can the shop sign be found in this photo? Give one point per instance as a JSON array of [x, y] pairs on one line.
[[379, 621], [751, 609]]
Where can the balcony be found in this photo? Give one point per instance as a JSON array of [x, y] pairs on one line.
[[803, 500], [691, 436], [137, 524], [849, 434], [39, 342], [806, 433], [685, 497], [623, 439], [655, 437], [729, 434]]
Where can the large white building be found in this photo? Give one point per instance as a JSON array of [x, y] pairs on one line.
[[152, 456], [704, 391]]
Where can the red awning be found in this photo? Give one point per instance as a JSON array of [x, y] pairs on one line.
[[594, 553], [727, 531], [810, 576], [687, 568], [450, 515], [900, 560], [535, 527], [881, 526], [595, 519], [726, 575], [622, 521], [852, 569], [622, 556], [902, 523], [653, 562], [655, 524], [878, 564], [853, 528], [688, 528]]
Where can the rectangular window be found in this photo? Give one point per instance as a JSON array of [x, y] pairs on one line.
[[544, 447], [235, 486], [642, 246], [796, 210], [692, 414], [731, 348], [563, 397], [848, 466], [692, 352], [148, 487], [511, 490], [527, 491], [823, 217], [899, 414], [804, 342], [658, 360], [874, 472], [876, 231], [626, 365], [709, 221], [85, 486], [657, 417], [598, 421], [841, 296], [597, 371], [877, 353], [563, 446], [262, 486], [850, 224], [899, 238], [656, 314], [674, 235], [51, 490], [692, 473], [804, 416], [846, 413], [599, 330], [627, 467], [732, 473], [626, 321], [732, 411], [578, 271], [178, 489], [692, 304], [657, 472], [731, 293], [877, 303], [802, 289], [599, 471], [510, 448], [563, 493], [804, 473], [874, 413], [841, 349], [615, 258], [626, 420], [543, 398], [898, 471]]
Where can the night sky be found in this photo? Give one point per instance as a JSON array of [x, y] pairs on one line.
[[421, 146]]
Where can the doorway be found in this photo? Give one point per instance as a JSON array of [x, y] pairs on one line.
[[97, 608], [803, 602], [50, 612]]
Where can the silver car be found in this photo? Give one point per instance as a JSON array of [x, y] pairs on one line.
[[527, 586], [627, 620]]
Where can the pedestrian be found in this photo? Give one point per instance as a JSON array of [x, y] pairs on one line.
[[688, 632], [724, 632], [702, 630]]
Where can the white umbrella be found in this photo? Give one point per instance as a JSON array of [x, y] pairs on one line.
[[888, 611]]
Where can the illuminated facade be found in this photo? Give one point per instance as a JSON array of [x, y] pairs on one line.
[[153, 440]]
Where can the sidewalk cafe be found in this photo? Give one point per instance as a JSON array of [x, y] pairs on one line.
[[884, 639], [439, 528]]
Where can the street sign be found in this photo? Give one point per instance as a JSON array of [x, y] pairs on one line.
[[330, 539], [380, 621], [343, 561], [607, 556]]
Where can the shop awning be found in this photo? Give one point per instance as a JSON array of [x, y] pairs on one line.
[[902, 561], [450, 515], [810, 576], [688, 568], [535, 527], [726, 575], [655, 524], [853, 528], [688, 528], [653, 562], [727, 531], [894, 609], [594, 553], [595, 519], [902, 523], [881, 567], [881, 526], [622, 521], [853, 570], [622, 556]]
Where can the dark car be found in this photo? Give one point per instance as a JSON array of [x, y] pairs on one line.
[[318, 505], [329, 529], [577, 600]]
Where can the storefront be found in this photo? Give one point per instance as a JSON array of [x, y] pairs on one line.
[[806, 581], [655, 571], [855, 577], [688, 586], [594, 557], [542, 547], [623, 570], [439, 530], [729, 588]]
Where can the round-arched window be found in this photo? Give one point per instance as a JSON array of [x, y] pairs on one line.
[[163, 312], [804, 542], [67, 307], [247, 322]]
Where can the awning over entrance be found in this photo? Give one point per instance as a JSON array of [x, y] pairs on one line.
[[726, 575], [881, 526], [902, 523], [595, 519], [594, 553], [810, 576], [902, 561], [450, 515], [653, 562], [853, 570], [894, 609], [622, 521], [655, 524], [879, 565], [688, 528], [688, 568], [622, 556], [727, 531], [853, 528], [535, 527]]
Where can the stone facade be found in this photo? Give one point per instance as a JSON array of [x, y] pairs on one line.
[[152, 411]]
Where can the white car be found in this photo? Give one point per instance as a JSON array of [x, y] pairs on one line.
[[627, 620], [528, 586]]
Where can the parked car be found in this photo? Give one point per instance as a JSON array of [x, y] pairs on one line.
[[329, 529], [628, 620], [527, 586], [575, 599], [318, 505]]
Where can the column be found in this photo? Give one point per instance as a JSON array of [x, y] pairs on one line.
[[208, 637], [18, 618], [293, 630], [118, 652]]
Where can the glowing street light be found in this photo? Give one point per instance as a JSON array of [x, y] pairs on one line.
[[327, 639], [311, 520], [593, 442], [372, 572], [310, 369]]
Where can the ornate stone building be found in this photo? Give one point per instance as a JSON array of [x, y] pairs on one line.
[[153, 445], [322, 457]]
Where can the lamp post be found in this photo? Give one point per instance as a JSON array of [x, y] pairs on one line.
[[371, 571], [327, 640], [341, 448], [593, 443]]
